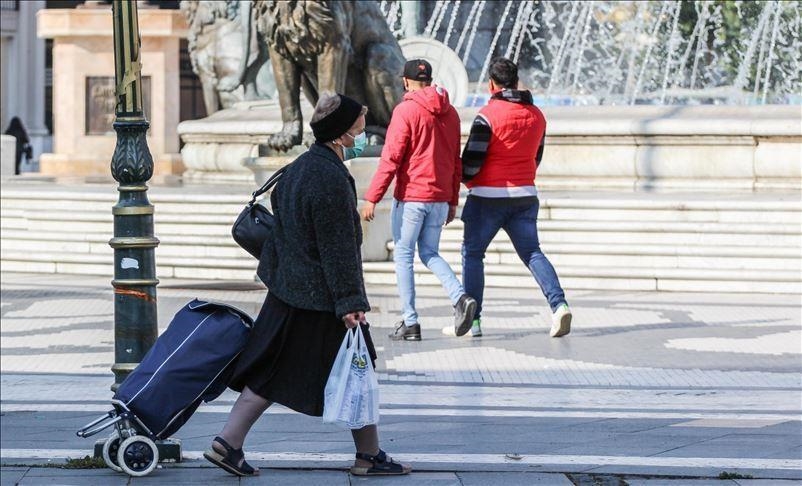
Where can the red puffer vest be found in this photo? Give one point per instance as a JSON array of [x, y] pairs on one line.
[[517, 129]]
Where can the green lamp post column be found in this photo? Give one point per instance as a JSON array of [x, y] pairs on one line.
[[135, 318]]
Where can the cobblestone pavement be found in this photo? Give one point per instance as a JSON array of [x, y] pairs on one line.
[[649, 384]]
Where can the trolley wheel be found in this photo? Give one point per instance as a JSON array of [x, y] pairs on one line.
[[110, 448], [138, 456]]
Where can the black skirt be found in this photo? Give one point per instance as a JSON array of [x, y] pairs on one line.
[[289, 355]]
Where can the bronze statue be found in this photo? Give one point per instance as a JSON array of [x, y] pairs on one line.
[[340, 46], [225, 53]]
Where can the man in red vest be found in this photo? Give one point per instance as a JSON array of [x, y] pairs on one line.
[[499, 163], [421, 152]]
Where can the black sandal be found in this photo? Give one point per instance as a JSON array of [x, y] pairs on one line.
[[381, 466], [230, 461]]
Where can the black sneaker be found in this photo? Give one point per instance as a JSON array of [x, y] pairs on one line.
[[463, 314], [407, 333]]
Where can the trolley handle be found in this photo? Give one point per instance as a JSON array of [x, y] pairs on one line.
[[93, 428]]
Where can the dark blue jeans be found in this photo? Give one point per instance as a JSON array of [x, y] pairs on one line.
[[483, 218]]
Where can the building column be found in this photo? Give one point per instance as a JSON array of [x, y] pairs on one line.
[[31, 78]]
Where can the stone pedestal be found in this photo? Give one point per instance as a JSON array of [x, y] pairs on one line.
[[225, 146], [8, 149], [83, 88], [375, 234]]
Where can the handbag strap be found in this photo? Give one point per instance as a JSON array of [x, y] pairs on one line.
[[271, 181]]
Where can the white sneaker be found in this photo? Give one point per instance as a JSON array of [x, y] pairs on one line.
[[561, 321], [476, 329]]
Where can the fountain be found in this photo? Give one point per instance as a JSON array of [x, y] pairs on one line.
[[665, 52], [657, 95]]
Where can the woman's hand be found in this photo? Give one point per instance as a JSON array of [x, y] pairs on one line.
[[352, 319]]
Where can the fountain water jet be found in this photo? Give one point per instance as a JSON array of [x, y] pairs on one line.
[[634, 52]]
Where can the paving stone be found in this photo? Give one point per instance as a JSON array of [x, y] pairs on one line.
[[10, 476], [69, 477], [678, 482], [416, 478], [641, 374], [513, 479], [767, 482]]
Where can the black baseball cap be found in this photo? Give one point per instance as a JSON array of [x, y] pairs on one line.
[[418, 70]]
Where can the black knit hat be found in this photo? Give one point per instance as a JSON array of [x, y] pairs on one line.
[[338, 121]]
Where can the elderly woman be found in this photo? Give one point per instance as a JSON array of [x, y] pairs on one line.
[[313, 270]]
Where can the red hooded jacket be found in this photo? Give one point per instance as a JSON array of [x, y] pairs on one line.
[[422, 150]]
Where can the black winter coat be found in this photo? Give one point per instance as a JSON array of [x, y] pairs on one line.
[[313, 260]]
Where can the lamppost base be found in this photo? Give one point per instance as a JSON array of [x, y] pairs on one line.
[[169, 449]]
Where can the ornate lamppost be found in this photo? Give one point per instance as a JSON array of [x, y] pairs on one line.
[[135, 327]]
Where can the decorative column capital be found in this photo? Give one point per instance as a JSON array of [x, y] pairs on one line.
[[132, 163]]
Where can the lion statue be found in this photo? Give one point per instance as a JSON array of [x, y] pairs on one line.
[[224, 53], [340, 46]]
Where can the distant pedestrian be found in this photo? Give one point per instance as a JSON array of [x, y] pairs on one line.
[[501, 157], [316, 292], [421, 151], [17, 130]]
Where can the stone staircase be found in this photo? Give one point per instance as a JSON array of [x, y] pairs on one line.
[[748, 242], [660, 242]]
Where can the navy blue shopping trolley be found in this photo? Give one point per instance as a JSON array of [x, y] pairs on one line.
[[191, 362]]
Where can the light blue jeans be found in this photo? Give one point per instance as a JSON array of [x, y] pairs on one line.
[[420, 223]]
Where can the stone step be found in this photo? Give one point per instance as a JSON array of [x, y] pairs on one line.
[[691, 242], [161, 228], [100, 264], [103, 238], [205, 201], [94, 211], [80, 217], [555, 241], [105, 207], [614, 278], [718, 216], [165, 248], [210, 195], [791, 226], [635, 257], [551, 233], [700, 263], [734, 258], [571, 277], [584, 199], [454, 230], [592, 247], [552, 236]]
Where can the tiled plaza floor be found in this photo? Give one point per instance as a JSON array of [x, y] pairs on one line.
[[652, 384]]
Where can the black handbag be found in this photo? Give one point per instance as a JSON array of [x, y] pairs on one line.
[[255, 223]]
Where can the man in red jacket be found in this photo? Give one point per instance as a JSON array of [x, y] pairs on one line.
[[499, 162], [421, 151]]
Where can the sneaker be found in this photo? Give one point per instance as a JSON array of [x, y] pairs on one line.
[[407, 333], [463, 314], [476, 329], [561, 321]]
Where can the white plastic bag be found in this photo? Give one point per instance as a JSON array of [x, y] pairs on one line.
[[352, 390]]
